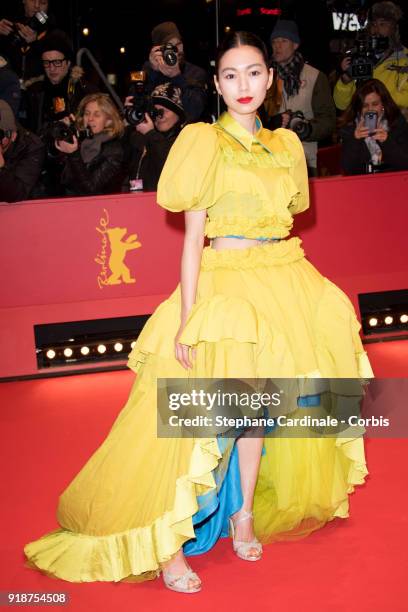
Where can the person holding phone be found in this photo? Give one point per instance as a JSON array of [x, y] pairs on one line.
[[373, 132]]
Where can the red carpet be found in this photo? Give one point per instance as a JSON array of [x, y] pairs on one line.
[[50, 427]]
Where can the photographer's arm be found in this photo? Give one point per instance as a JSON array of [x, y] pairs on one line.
[[324, 122], [342, 94]]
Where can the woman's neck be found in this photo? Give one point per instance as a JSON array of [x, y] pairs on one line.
[[246, 121]]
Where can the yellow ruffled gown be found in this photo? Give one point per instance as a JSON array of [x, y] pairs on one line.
[[263, 312]]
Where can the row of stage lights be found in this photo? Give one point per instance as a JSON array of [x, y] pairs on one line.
[[89, 351], [388, 320]]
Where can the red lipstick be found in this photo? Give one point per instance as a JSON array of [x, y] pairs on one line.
[[246, 100]]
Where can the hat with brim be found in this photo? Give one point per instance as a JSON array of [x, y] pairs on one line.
[[169, 96]]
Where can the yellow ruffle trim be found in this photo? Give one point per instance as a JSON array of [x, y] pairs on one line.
[[79, 557], [262, 159]]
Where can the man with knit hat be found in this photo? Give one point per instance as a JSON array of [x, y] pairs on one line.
[[21, 158], [392, 64], [192, 80], [154, 137], [298, 87]]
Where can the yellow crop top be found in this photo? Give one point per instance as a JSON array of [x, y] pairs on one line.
[[251, 185]]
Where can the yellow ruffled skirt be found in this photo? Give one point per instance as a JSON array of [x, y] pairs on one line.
[[261, 312]]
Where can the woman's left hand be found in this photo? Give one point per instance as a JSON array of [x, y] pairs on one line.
[[380, 134], [67, 147]]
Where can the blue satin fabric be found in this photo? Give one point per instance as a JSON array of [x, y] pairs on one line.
[[211, 519]]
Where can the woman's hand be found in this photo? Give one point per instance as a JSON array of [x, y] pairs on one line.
[[184, 353], [380, 134], [145, 126], [27, 33], [345, 65], [361, 131], [67, 147], [156, 58], [6, 27]]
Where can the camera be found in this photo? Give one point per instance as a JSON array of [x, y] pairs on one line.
[[37, 22], [58, 130], [169, 53], [141, 102], [299, 124], [365, 55]]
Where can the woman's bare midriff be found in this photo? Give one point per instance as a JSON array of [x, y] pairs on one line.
[[222, 242]]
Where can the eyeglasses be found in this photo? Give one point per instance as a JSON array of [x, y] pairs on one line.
[[57, 63]]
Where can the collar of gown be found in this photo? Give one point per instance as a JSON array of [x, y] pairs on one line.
[[241, 135]]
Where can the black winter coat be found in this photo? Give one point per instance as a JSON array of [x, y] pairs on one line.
[[355, 155], [104, 174], [24, 160]]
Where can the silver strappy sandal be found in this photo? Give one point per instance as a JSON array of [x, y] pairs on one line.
[[180, 583], [242, 549]]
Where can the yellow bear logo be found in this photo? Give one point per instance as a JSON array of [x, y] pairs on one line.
[[120, 273]]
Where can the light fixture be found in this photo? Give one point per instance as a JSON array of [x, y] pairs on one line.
[[122, 50], [51, 354], [85, 350], [404, 318], [133, 344], [85, 31], [373, 322], [388, 320], [101, 349], [118, 346], [68, 352]]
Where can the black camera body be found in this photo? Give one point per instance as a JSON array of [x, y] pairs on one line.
[[37, 22], [169, 53], [299, 124], [365, 55], [5, 133], [58, 130]]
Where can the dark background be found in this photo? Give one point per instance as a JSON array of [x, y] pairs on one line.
[[128, 23]]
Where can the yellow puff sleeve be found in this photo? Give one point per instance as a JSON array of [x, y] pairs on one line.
[[187, 176], [298, 171]]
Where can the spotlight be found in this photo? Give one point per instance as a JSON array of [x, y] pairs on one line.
[[388, 320], [373, 322], [122, 50], [50, 354], [133, 344], [85, 350], [101, 349], [85, 31], [404, 318], [118, 347], [227, 29], [68, 352]]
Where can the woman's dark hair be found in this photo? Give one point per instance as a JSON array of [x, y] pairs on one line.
[[238, 39], [391, 110]]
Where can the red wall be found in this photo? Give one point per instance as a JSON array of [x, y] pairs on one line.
[[355, 233]]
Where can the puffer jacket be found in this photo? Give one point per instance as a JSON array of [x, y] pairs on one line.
[[23, 163]]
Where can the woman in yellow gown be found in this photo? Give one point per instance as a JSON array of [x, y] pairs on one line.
[[248, 306]]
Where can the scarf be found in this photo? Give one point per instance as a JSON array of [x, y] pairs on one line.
[[290, 73], [91, 147]]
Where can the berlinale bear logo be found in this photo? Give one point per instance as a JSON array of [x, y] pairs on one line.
[[119, 272]]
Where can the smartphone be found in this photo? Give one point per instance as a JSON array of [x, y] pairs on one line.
[[370, 121]]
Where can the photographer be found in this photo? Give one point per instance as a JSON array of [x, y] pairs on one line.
[[21, 32], [390, 66], [373, 132], [51, 98], [93, 151], [300, 97], [21, 158], [167, 64], [154, 136]]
